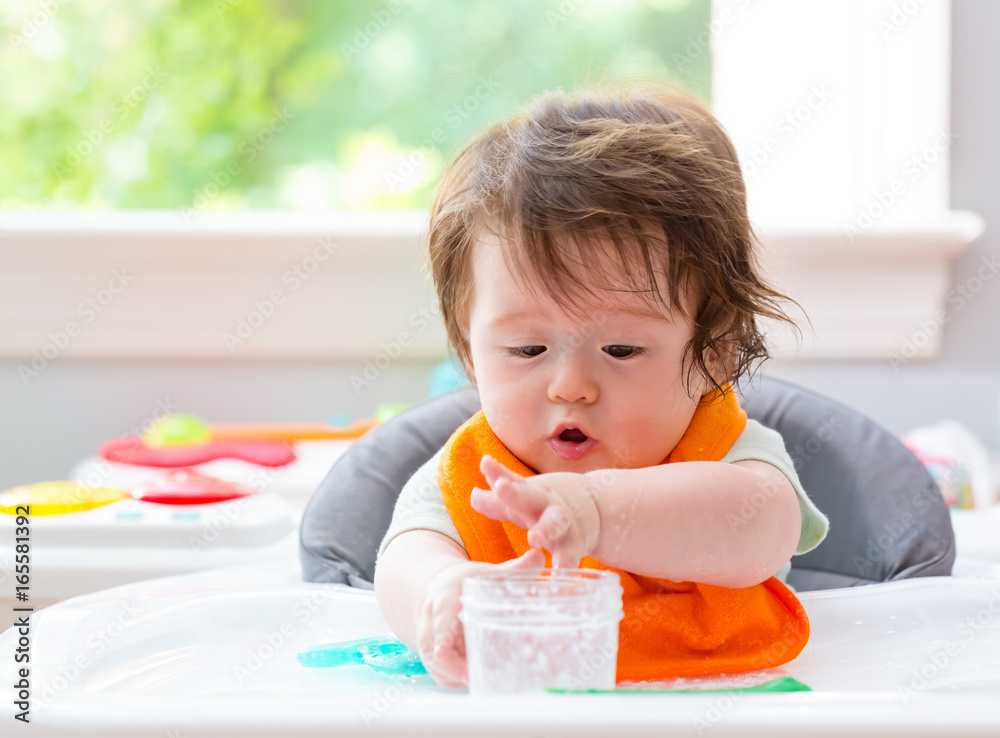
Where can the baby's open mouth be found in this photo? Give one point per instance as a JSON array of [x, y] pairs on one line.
[[571, 444], [574, 435]]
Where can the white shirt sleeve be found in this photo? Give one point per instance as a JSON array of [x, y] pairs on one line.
[[420, 505], [763, 444]]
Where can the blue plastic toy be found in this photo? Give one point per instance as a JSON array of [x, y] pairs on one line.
[[386, 655], [446, 377]]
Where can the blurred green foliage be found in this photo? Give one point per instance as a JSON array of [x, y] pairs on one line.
[[302, 104]]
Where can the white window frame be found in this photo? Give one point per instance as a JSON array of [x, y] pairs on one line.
[[841, 114], [292, 286]]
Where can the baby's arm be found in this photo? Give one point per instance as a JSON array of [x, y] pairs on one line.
[[727, 524], [410, 561], [418, 581], [732, 525]]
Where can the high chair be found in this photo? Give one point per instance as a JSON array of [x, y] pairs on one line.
[[888, 520]]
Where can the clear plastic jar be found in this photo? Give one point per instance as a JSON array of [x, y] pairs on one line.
[[528, 631]]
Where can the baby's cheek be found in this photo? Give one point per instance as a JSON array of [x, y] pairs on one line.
[[512, 419], [645, 442], [508, 412]]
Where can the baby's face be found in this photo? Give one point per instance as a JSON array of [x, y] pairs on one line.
[[613, 376]]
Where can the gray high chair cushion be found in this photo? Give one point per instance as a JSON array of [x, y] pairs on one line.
[[887, 519]]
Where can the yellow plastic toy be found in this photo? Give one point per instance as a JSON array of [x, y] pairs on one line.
[[56, 498]]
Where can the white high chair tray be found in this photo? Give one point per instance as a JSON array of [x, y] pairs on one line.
[[213, 654]]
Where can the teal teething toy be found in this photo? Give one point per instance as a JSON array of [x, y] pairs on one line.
[[386, 655]]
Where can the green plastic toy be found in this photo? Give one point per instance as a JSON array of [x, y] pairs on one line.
[[781, 684], [177, 430], [389, 409]]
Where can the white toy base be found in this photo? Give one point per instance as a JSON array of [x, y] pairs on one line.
[[295, 482], [132, 541]]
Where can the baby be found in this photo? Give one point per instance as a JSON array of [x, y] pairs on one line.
[[596, 273]]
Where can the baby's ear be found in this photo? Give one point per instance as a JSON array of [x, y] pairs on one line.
[[721, 360]]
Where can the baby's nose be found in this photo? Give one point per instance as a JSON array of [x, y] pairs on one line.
[[571, 382]]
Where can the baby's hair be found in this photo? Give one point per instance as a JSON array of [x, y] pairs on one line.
[[644, 174]]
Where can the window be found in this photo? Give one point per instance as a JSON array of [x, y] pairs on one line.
[[295, 104], [174, 128]]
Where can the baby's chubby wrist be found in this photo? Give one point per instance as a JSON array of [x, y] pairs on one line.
[[592, 513], [579, 494], [598, 484]]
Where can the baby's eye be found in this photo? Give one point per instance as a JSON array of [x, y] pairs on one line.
[[527, 352], [624, 352]]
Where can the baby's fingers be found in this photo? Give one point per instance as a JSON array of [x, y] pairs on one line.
[[533, 558], [440, 645], [554, 531], [445, 659], [567, 557], [551, 529], [507, 501], [486, 502], [493, 470], [522, 497]]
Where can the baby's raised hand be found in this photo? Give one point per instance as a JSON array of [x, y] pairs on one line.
[[557, 509]]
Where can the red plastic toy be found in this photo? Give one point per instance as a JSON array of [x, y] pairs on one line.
[[132, 450], [188, 487]]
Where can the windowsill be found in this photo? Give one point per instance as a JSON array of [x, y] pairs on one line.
[[280, 285], [877, 295]]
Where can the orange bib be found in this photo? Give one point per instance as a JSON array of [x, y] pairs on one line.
[[670, 629]]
